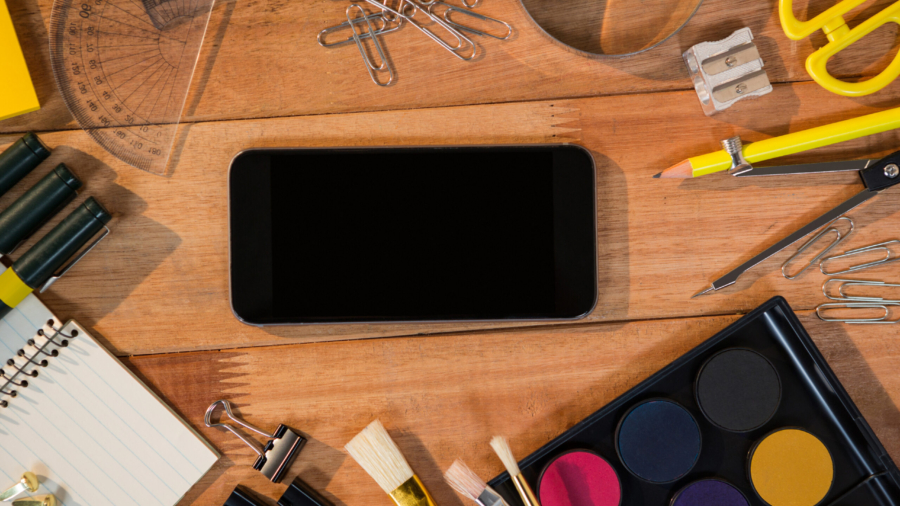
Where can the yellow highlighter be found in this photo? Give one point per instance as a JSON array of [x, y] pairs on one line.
[[17, 94], [839, 35], [789, 144]]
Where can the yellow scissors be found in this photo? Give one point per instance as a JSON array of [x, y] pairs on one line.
[[831, 22]]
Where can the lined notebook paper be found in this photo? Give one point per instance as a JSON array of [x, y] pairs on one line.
[[89, 429]]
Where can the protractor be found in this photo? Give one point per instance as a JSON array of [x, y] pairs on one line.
[[124, 68]]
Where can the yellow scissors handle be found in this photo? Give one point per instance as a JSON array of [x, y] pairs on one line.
[[840, 36]]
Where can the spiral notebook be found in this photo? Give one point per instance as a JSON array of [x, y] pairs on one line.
[[91, 431]]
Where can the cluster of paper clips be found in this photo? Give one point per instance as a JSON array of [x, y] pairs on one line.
[[883, 310], [428, 17]]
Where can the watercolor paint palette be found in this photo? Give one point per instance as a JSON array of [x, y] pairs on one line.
[[753, 416]]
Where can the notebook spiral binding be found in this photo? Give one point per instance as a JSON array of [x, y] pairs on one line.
[[44, 344]]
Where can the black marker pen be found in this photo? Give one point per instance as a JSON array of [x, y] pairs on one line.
[[36, 206], [36, 266], [19, 159]]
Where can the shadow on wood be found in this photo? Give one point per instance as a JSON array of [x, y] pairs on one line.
[[610, 27], [101, 275], [612, 239]]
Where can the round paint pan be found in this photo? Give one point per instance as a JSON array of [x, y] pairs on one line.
[[710, 492], [658, 441], [738, 390], [610, 28], [790, 467], [579, 478]]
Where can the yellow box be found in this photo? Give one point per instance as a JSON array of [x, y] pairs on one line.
[[17, 94]]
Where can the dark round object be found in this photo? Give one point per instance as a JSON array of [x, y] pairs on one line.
[[710, 492], [738, 390], [658, 441]]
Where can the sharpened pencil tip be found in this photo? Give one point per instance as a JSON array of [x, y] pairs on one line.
[[683, 170], [704, 292], [657, 176]]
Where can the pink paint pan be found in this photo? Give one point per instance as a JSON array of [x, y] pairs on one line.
[[579, 478]]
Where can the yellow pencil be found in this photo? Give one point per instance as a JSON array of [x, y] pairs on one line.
[[789, 144]]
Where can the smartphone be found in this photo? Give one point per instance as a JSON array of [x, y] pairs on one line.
[[349, 235]]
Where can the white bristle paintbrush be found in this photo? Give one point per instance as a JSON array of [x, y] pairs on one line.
[[469, 484], [376, 452], [501, 448]]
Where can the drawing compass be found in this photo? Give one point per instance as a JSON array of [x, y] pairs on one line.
[[124, 69], [876, 175]]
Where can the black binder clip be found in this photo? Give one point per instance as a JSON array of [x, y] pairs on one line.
[[242, 497], [297, 494], [301, 494], [276, 456]]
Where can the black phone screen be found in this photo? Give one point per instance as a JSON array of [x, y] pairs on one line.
[[413, 234]]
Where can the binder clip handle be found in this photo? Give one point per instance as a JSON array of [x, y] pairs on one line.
[[227, 406], [275, 457]]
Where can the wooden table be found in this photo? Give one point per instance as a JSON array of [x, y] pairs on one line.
[[156, 292]]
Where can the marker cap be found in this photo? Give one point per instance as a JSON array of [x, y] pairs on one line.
[[21, 158], [38, 264], [36, 145], [20, 220]]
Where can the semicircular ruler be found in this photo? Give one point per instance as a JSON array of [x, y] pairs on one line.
[[124, 69]]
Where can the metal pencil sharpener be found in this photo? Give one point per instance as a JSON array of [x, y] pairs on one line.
[[726, 71]]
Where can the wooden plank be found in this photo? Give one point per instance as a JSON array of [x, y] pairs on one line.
[[160, 282], [443, 397], [260, 59]]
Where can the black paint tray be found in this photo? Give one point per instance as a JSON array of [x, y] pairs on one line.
[[812, 398]]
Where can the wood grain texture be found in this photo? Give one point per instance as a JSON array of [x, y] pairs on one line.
[[158, 286], [260, 59], [160, 282], [443, 397]]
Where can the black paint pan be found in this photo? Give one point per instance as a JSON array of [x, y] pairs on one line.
[[738, 390]]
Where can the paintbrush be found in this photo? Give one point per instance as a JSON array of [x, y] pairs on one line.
[[377, 453], [501, 448], [469, 484]]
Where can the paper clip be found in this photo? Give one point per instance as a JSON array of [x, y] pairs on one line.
[[349, 40], [882, 246], [884, 319], [837, 240], [370, 64], [845, 283], [276, 455], [451, 9], [28, 483], [461, 40]]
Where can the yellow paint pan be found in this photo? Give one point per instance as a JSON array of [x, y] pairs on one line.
[[791, 467]]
